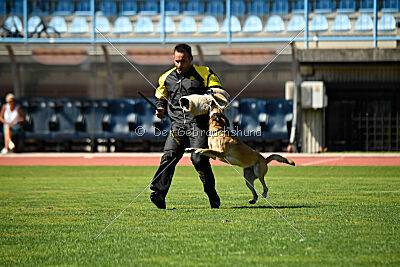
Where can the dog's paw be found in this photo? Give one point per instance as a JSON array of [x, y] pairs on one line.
[[264, 195], [190, 150], [252, 201], [291, 162]]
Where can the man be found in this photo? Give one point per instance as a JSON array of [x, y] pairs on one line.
[[186, 130]]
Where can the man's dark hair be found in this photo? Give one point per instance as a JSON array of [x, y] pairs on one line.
[[183, 48]]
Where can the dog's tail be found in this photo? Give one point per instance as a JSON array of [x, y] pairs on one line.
[[279, 158]]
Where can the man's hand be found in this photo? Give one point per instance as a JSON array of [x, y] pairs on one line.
[[160, 113]]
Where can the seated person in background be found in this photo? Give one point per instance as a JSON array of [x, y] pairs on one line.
[[11, 117]]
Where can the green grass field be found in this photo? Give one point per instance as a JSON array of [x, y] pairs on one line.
[[51, 215]]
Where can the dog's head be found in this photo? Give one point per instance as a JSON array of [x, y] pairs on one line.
[[218, 119]]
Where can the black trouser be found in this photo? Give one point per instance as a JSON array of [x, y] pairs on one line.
[[181, 137]]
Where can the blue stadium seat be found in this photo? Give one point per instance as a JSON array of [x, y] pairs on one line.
[[296, 24], [215, 8], [259, 8], [128, 8], [13, 24], [194, 8], [17, 8], [122, 25], [42, 8], [79, 25], [83, 8], [233, 114], [280, 7], [66, 113], [235, 25], [150, 8], [364, 24], [102, 24], [107, 8], [39, 115], [144, 25], [367, 6], [57, 25], [387, 23], [64, 8], [120, 110], [299, 7], [169, 26], [35, 24], [238, 8], [172, 8], [249, 110], [279, 113], [209, 24], [187, 25], [275, 24], [253, 24], [148, 121], [347, 6], [341, 24], [391, 6], [3, 7], [324, 7], [319, 24]]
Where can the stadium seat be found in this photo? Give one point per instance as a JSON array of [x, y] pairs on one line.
[[209, 24], [128, 8], [107, 8], [150, 8], [280, 7], [341, 24], [215, 8], [57, 25], [253, 24], [3, 7], [259, 8], [83, 8], [42, 8], [169, 26], [299, 7], [194, 8], [146, 119], [17, 8], [347, 6], [120, 110], [367, 6], [235, 25], [279, 113], [296, 24], [122, 25], [144, 25], [79, 25], [67, 113], [364, 24], [187, 26], [64, 8], [387, 23], [13, 24], [35, 24], [102, 24], [238, 8], [275, 24], [319, 24], [391, 6], [39, 116], [249, 109], [172, 8], [324, 7]]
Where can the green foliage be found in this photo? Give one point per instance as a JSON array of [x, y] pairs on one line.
[[51, 216]]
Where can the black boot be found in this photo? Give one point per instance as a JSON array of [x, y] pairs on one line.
[[158, 199], [213, 197]]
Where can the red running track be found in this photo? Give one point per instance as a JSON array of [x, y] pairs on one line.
[[153, 159]]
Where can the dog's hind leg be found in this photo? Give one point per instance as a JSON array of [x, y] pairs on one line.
[[249, 178], [260, 170]]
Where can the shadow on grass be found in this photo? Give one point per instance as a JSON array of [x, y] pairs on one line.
[[277, 207]]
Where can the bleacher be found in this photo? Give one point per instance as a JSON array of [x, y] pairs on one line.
[[130, 19], [123, 121]]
